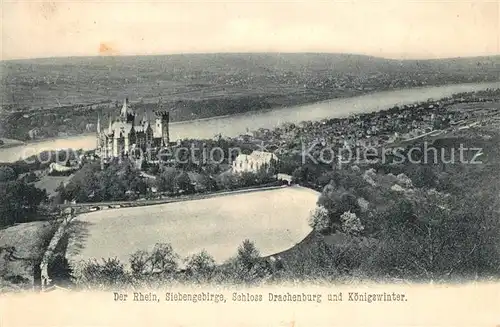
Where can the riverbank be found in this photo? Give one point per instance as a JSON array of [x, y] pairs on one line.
[[8, 143], [234, 125]]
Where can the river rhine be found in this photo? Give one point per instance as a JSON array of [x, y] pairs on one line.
[[239, 124]]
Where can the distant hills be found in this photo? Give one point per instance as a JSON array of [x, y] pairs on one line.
[[63, 96], [65, 81]]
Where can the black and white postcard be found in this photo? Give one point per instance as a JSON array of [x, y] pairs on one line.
[[249, 163]]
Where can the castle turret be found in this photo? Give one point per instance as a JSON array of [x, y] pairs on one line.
[[145, 119], [124, 110], [98, 132], [98, 124], [126, 113]]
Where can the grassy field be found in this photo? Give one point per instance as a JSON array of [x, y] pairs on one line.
[[29, 241], [274, 220]]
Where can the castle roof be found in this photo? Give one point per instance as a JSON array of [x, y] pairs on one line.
[[257, 156], [120, 128], [263, 156]]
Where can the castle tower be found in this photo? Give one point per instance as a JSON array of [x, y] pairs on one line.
[[110, 128], [161, 124]]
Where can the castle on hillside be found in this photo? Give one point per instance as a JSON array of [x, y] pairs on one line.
[[124, 135]]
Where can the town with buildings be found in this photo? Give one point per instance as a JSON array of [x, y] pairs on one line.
[[389, 128]]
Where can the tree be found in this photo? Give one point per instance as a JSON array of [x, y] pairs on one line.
[[247, 179], [7, 174], [248, 254], [88, 182], [265, 175], [183, 182], [201, 265], [166, 180], [226, 181], [351, 223], [30, 177], [163, 259], [336, 200], [300, 175], [423, 175], [139, 263], [145, 166], [20, 202], [319, 220]]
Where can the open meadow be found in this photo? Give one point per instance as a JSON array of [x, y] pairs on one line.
[[274, 220], [22, 248]]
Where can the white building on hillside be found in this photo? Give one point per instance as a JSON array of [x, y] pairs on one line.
[[254, 162], [58, 168]]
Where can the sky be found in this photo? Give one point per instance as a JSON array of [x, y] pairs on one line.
[[400, 29]]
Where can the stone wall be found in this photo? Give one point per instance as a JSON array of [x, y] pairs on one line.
[[49, 252]]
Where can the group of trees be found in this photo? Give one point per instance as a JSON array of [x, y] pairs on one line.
[[162, 264], [408, 232], [7, 174], [123, 181], [20, 201], [173, 180], [231, 181], [428, 237], [113, 183]]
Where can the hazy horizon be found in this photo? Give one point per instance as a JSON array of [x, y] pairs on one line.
[[249, 54], [383, 29]]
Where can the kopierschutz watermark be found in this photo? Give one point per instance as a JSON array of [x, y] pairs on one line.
[[316, 153]]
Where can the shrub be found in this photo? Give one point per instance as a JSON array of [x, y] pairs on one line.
[[102, 275], [163, 259], [351, 224], [319, 220], [139, 263], [201, 265]]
